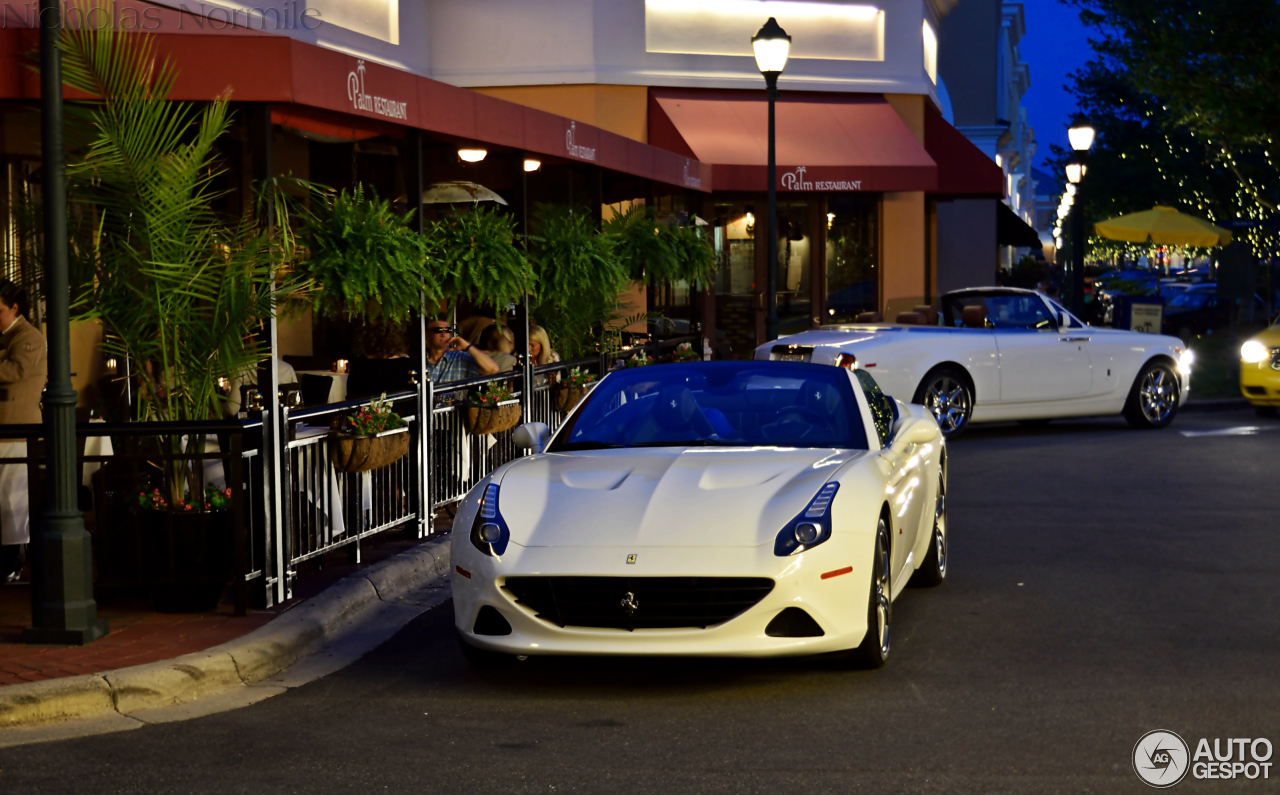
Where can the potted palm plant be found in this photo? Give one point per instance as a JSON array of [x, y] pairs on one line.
[[179, 290]]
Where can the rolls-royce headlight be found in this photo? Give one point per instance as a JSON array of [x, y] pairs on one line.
[[811, 527], [489, 532], [1253, 352], [1185, 359]]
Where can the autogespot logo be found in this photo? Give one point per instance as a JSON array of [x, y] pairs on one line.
[[1160, 758]]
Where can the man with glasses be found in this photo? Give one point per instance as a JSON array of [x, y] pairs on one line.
[[452, 358]]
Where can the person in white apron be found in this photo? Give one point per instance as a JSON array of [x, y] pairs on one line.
[[24, 368]]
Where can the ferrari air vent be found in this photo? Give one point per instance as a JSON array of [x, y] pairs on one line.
[[638, 602]]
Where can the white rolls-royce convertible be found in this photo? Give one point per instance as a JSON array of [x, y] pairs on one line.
[[1007, 354], [713, 508]]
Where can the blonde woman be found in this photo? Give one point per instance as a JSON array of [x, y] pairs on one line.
[[540, 347]]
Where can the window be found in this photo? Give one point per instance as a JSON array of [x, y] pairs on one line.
[[718, 404], [883, 410]]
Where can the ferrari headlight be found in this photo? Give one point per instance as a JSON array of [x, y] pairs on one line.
[[489, 532], [1253, 352], [811, 527]]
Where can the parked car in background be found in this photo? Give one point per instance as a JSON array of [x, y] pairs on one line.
[[1260, 370], [1007, 354], [1198, 311]]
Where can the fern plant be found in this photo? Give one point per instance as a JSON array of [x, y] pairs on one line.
[[579, 277], [478, 257], [178, 290], [646, 252], [365, 260]]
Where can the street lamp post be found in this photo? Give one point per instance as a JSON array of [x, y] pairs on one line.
[[62, 605], [772, 45], [1081, 135], [1075, 172]]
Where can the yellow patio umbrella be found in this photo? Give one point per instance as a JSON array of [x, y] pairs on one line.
[[1164, 226]]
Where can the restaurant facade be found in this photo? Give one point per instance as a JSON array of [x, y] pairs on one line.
[[618, 102]]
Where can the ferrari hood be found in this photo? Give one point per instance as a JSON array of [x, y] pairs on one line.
[[662, 496]]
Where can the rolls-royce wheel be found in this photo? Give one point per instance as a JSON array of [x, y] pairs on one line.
[[933, 569], [874, 650], [1153, 399], [945, 391]]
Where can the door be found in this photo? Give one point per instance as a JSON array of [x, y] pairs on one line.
[[1038, 361]]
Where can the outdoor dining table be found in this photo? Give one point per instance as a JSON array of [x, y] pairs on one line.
[[337, 387]]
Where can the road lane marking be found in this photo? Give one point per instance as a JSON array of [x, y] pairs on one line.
[[1238, 430]]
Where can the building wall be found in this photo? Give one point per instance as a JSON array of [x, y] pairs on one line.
[[967, 60], [549, 42], [623, 110], [966, 244]]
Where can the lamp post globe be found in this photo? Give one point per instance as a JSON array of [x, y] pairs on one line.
[[1076, 169], [772, 45], [1081, 134]]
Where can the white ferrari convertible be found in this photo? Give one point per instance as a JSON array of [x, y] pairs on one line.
[[720, 509], [1007, 354]]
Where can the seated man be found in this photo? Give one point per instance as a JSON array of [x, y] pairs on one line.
[[452, 358]]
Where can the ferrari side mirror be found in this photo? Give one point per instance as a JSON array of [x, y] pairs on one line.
[[531, 436]]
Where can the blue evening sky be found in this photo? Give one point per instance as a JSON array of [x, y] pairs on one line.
[[1055, 45]]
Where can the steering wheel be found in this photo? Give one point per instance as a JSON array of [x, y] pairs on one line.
[[813, 415]]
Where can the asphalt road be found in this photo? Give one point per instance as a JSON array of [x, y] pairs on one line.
[[1105, 583]]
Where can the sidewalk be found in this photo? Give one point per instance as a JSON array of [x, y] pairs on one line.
[[141, 635]]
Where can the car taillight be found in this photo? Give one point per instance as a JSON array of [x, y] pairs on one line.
[[847, 360]]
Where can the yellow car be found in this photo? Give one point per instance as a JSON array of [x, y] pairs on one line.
[[1260, 370]]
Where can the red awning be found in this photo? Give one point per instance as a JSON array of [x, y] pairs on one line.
[[963, 170], [297, 77], [824, 142]]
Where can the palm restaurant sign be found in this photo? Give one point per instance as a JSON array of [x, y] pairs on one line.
[[362, 100], [796, 180]]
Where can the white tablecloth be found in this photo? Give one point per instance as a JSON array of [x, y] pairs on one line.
[[337, 388], [95, 445]]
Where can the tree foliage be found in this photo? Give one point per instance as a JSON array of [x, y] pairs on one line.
[[1187, 85]]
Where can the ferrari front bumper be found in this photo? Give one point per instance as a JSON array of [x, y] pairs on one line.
[[838, 602]]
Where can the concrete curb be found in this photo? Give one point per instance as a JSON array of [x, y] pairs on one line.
[[259, 655], [1218, 404]]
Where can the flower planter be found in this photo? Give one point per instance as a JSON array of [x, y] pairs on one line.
[[187, 557], [353, 454], [484, 420], [566, 398]]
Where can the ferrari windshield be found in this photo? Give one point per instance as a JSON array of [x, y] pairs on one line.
[[718, 404]]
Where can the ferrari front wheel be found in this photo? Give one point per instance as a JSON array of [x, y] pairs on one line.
[[874, 650], [933, 569]]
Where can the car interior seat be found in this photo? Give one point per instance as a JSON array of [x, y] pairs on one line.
[[930, 314], [975, 316], [869, 317], [910, 318]]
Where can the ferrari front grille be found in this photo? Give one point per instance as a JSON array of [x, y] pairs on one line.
[[638, 602]]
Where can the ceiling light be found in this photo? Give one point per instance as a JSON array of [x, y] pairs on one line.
[[532, 165], [472, 155]]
